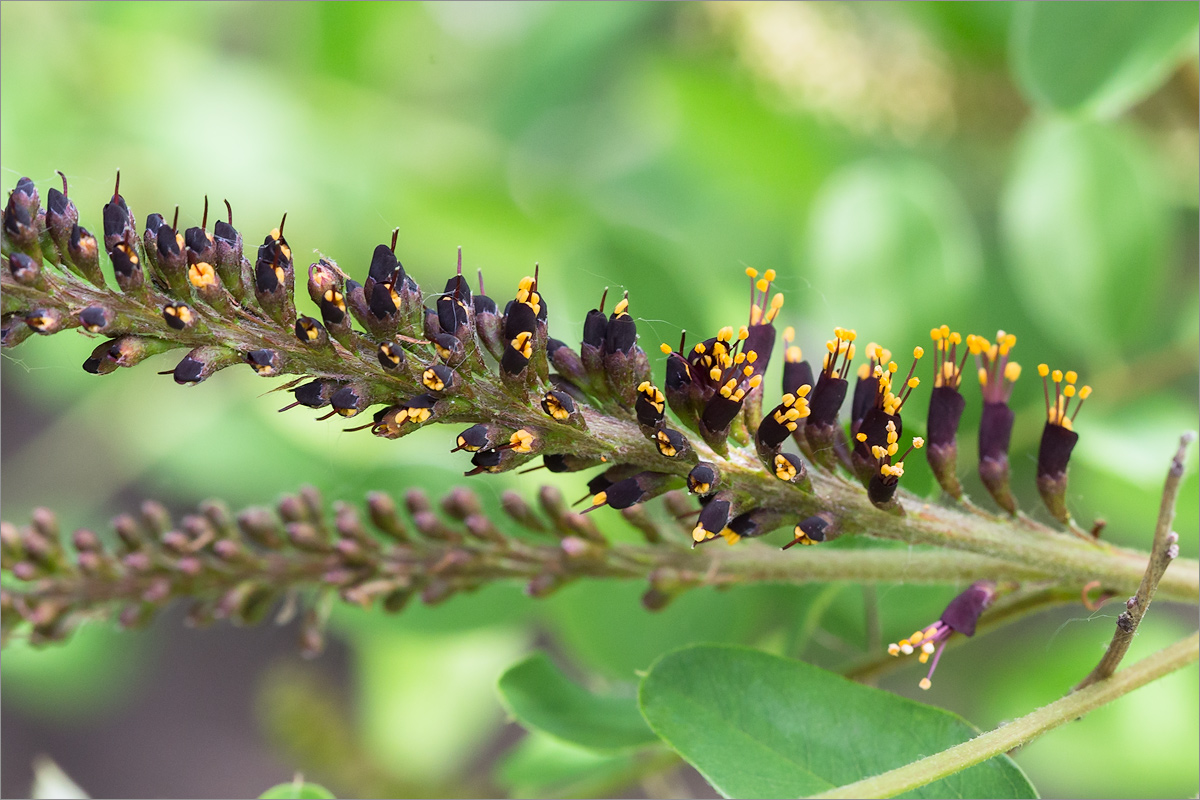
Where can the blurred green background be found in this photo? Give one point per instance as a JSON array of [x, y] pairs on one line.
[[899, 165]]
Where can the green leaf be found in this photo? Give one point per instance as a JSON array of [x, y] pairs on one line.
[[296, 790], [541, 698], [1087, 232], [756, 725], [542, 766], [1098, 58]]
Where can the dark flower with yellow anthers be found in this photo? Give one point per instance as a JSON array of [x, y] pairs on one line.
[[671, 443], [961, 616], [789, 468], [881, 489], [397, 420], [312, 333], [625, 364], [883, 402], [997, 374], [266, 362], [127, 268], [725, 374], [783, 420], [820, 527], [1058, 438], [441, 379], [650, 408], [633, 490], [714, 518], [521, 330], [482, 436], [561, 407], [796, 373], [749, 525], [760, 339], [274, 276], [150, 239], [946, 405], [513, 453], [350, 400], [449, 348], [823, 434], [179, 316], [703, 479], [48, 320], [866, 388], [207, 285]]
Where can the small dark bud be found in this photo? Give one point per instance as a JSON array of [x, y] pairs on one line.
[[179, 316], [25, 270], [703, 479], [348, 401], [201, 363], [520, 511], [46, 321], [266, 362], [84, 252], [461, 503], [95, 319]]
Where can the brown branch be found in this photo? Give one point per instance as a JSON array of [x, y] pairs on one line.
[[1164, 550]]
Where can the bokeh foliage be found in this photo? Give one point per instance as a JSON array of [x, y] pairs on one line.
[[900, 165]]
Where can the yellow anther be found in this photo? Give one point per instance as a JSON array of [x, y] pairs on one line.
[[725, 334], [762, 284], [715, 373], [925, 683], [1071, 376], [643, 386], [918, 351], [893, 649], [1085, 392], [777, 301], [1043, 370], [622, 307], [600, 498], [666, 349], [803, 390], [918, 442], [917, 637], [743, 333], [936, 334], [700, 348], [983, 378], [751, 272], [769, 274], [1012, 371], [1056, 376], [862, 437], [751, 356], [914, 382], [747, 371], [699, 534], [1069, 390], [739, 358], [789, 334], [756, 381], [864, 371]]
